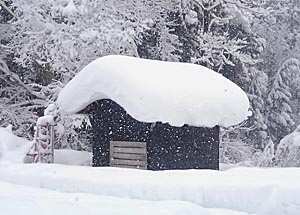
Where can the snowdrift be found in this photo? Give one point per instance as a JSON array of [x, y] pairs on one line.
[[17, 199], [12, 147], [251, 190]]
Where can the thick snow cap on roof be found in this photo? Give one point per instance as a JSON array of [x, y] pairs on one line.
[[158, 91]]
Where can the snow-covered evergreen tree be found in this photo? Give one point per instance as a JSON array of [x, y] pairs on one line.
[[281, 116], [281, 29]]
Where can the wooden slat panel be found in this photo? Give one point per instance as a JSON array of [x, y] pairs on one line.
[[129, 150], [128, 162], [111, 152], [128, 144], [129, 156]]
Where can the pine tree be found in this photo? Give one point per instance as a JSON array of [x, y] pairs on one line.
[[281, 116], [281, 28]]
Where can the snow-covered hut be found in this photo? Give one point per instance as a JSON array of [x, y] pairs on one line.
[[154, 114]]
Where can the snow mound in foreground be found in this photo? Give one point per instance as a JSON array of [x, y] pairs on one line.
[[251, 190], [17, 199], [12, 147], [151, 91]]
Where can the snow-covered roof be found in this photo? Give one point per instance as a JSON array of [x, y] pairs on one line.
[[157, 91]]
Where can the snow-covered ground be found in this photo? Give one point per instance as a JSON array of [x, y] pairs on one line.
[[61, 189], [16, 199], [55, 189]]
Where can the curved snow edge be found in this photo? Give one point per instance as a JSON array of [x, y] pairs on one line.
[[151, 91]]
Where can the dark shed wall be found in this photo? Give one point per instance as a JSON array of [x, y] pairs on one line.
[[167, 147], [183, 148]]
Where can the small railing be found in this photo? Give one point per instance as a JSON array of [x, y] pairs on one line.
[[42, 149]]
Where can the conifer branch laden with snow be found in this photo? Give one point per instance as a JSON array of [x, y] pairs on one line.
[[281, 115], [2, 4]]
